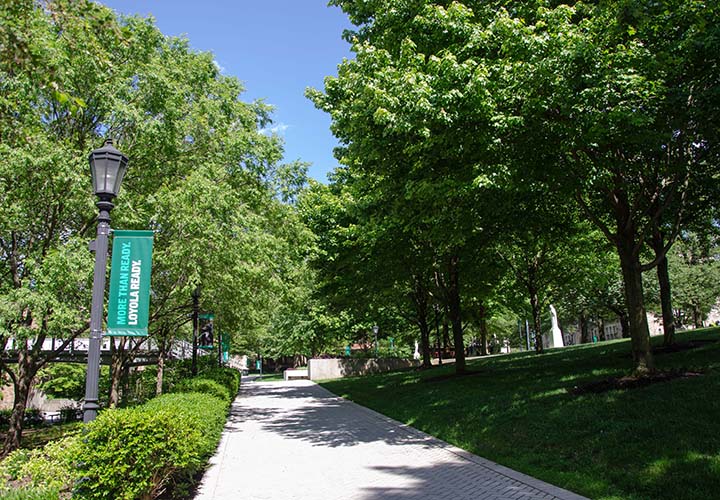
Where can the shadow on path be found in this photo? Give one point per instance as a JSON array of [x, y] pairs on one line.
[[321, 419], [295, 440], [456, 481]]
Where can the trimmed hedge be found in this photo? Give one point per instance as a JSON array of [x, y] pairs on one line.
[[204, 385], [228, 377], [130, 453], [125, 454], [140, 452]]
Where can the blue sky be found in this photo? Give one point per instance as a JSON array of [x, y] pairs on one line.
[[276, 47]]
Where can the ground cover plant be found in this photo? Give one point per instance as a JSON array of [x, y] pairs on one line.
[[522, 410]]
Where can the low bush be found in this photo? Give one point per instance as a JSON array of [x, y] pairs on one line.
[[41, 473], [30, 494], [124, 454], [141, 452], [204, 386], [228, 377], [70, 413]]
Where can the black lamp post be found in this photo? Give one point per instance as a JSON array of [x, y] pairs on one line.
[[108, 167], [376, 329], [195, 319]]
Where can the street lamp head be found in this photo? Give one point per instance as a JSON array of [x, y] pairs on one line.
[[376, 329], [196, 292], [108, 167]]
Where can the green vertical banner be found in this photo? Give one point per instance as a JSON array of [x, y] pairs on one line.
[[225, 347], [130, 283], [207, 329]]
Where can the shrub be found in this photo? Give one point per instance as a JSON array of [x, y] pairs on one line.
[[228, 377], [140, 452], [204, 386], [63, 380], [45, 471], [30, 494]]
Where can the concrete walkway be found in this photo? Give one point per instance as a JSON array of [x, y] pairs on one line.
[[295, 441]]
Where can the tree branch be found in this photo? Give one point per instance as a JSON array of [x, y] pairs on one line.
[[594, 219]]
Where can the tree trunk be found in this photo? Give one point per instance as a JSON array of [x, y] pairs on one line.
[[424, 334], [483, 330], [437, 330], [639, 332], [601, 329], [584, 328], [624, 325], [455, 314], [116, 371], [125, 379], [425, 341], [420, 298], [535, 305], [697, 319], [445, 330], [161, 368], [665, 291], [21, 385]]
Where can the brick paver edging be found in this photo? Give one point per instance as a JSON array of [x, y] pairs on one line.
[[555, 491]]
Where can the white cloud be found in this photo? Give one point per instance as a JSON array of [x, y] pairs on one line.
[[219, 66], [278, 129]]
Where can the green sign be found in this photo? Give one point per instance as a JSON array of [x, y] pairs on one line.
[[225, 347], [207, 329], [130, 283]]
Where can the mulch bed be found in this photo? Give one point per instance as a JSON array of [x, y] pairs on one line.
[[630, 382]]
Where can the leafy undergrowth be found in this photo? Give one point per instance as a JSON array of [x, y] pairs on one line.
[[39, 437], [154, 449], [658, 441]]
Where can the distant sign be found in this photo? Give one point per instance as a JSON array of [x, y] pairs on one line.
[[207, 330]]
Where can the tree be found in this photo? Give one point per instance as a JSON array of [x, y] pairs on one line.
[[63, 380], [410, 110], [695, 274], [611, 87], [201, 175]]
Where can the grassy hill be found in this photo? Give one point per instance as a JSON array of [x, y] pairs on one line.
[[660, 441]]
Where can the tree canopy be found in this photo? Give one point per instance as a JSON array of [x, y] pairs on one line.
[[202, 175], [600, 111]]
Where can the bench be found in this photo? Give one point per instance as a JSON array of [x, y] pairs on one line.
[[295, 373]]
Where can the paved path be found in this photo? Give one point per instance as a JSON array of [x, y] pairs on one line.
[[296, 441]]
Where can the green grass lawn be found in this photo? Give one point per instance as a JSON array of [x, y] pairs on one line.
[[652, 443]]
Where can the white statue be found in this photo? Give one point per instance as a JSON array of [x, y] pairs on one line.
[[557, 338], [416, 355]]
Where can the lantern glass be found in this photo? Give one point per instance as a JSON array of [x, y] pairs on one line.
[[107, 167]]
